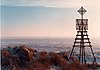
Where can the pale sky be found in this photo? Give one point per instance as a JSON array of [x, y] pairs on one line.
[[47, 18]]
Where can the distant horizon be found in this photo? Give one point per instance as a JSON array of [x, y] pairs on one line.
[[45, 37], [36, 37]]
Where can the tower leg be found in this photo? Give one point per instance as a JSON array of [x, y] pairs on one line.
[[80, 54], [84, 56], [71, 51], [93, 56]]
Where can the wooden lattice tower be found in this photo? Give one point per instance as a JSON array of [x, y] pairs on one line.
[[82, 40]]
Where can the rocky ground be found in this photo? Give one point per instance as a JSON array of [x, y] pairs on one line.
[[25, 58]]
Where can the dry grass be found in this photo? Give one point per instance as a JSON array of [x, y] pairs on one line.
[[34, 60]]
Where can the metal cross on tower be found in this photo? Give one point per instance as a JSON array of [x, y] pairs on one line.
[[82, 40]]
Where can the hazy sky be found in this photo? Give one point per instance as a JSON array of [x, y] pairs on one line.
[[47, 18]]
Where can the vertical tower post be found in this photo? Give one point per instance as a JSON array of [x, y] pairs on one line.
[[82, 37]]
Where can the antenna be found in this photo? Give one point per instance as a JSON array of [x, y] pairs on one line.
[[82, 40]]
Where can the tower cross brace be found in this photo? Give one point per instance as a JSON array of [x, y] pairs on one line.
[[82, 40]]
